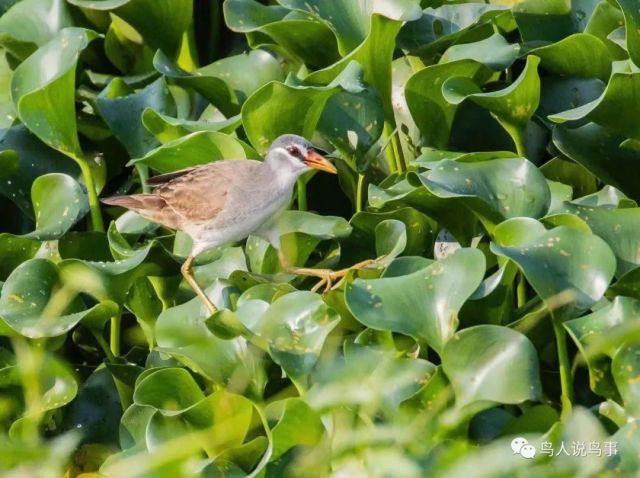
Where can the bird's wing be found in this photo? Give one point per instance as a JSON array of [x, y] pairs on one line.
[[199, 194], [161, 179]]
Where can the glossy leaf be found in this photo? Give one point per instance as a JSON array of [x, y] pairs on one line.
[[31, 23], [35, 303], [632, 24], [196, 148], [610, 108], [513, 107], [598, 150], [146, 15], [122, 111], [351, 20], [494, 52], [43, 90], [432, 113], [569, 269], [505, 187], [277, 109], [580, 55], [226, 83], [295, 326], [58, 202], [504, 367], [294, 35], [423, 305]]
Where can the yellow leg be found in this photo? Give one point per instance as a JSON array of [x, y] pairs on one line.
[[186, 272], [327, 277]]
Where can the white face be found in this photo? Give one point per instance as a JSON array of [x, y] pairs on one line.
[[292, 159]]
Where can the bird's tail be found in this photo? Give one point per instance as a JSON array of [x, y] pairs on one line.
[[136, 202], [149, 206]]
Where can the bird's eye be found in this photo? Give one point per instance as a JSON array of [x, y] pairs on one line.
[[294, 151]]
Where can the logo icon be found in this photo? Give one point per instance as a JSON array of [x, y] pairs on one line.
[[520, 446]]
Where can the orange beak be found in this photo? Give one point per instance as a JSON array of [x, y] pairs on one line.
[[317, 161]]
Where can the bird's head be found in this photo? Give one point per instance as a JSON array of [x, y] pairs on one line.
[[295, 153]]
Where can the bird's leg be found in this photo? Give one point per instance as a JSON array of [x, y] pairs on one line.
[[327, 277], [186, 270]]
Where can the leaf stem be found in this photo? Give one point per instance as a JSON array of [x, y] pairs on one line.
[[94, 204], [143, 174], [360, 193], [29, 360], [114, 338], [121, 388], [302, 195], [521, 291], [392, 161], [566, 387], [518, 138], [103, 345]]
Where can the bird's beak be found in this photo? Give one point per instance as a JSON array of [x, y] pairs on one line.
[[317, 161]]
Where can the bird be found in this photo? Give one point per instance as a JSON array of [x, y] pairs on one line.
[[225, 201]]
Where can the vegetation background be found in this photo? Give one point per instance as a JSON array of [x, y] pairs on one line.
[[489, 150]]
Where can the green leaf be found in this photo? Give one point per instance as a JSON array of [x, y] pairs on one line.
[[494, 52], [297, 424], [429, 108], [191, 343], [34, 159], [580, 55], [618, 228], [194, 149], [295, 326], [112, 280], [410, 191], [632, 27], [125, 49], [375, 55], [350, 20], [96, 409], [573, 174], [35, 302], [496, 189], [420, 230], [598, 150], [43, 90], [512, 107], [367, 377], [353, 123], [32, 23], [146, 15], [277, 109], [14, 250], [59, 202], [489, 363], [611, 109], [122, 111], [440, 27], [167, 129], [226, 83], [423, 305], [546, 20], [600, 335], [321, 227], [169, 390], [570, 270], [56, 387], [297, 36]]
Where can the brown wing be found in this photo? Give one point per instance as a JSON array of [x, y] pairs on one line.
[[161, 179], [200, 194], [190, 196]]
